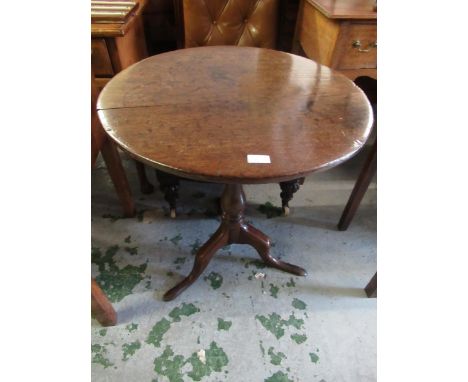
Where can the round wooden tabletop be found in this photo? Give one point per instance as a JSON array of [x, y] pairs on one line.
[[200, 112]]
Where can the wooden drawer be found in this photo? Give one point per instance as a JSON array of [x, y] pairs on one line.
[[356, 46], [100, 59]]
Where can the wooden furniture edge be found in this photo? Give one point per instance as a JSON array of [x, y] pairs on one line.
[[117, 30], [342, 15]]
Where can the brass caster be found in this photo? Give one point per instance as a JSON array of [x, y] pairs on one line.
[[286, 211], [173, 213]]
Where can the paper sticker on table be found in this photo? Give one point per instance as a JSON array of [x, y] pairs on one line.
[[251, 158]]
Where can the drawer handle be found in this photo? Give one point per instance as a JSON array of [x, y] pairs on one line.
[[357, 45]]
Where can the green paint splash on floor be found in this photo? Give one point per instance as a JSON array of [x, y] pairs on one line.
[[262, 349], [102, 260], [299, 304], [270, 210], [275, 324], [98, 356], [175, 240], [195, 247], [103, 332], [170, 274], [115, 282], [157, 332], [295, 322], [180, 260], [274, 291], [216, 359], [256, 263], [128, 239], [224, 325], [131, 327], [291, 283], [214, 279], [119, 283], [169, 365], [279, 376], [298, 338], [183, 310], [314, 357], [132, 250], [130, 349], [275, 358]]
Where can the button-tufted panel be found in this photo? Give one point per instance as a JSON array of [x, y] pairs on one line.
[[230, 22]]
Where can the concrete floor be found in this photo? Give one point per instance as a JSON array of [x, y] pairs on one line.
[[282, 328]]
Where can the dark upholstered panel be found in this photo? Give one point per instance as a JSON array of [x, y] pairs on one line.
[[231, 22]]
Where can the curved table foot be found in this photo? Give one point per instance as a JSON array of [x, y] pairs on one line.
[[219, 239], [261, 242]]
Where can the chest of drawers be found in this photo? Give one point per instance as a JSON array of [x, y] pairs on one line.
[[341, 34], [117, 45]]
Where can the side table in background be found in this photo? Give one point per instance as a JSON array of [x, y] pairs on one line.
[[117, 43]]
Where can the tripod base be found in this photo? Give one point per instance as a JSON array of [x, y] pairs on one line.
[[233, 230]]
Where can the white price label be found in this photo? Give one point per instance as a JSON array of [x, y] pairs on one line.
[[254, 158]]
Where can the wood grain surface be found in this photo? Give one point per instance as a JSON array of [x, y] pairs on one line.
[[199, 112]]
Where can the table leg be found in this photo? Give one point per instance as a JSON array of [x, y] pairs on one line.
[[362, 183], [169, 186], [117, 174], [101, 307], [287, 191], [371, 287], [232, 230], [145, 186]]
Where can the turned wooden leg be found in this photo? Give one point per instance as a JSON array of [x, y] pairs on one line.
[[116, 172], [371, 287], [169, 186], [101, 308], [145, 186], [287, 191], [233, 229], [367, 173]]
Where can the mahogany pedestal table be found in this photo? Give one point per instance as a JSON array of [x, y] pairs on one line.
[[201, 113]]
